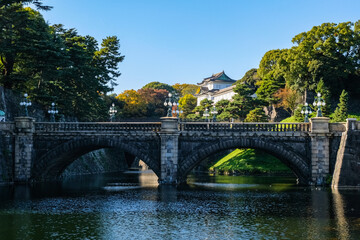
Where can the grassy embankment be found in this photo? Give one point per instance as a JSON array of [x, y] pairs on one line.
[[250, 161]]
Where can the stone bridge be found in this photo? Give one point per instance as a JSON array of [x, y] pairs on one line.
[[172, 149]]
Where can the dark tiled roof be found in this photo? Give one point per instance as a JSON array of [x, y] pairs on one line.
[[221, 76]]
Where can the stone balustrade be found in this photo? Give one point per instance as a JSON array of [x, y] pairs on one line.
[[337, 127], [182, 126], [7, 126], [245, 127], [46, 127]]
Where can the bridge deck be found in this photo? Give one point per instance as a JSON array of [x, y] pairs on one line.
[[46, 127]]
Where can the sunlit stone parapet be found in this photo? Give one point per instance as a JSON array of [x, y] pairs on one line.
[[169, 135], [319, 150]]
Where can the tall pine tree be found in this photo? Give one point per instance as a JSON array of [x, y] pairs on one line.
[[341, 112]]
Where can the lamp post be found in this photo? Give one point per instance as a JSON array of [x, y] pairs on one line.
[[214, 112], [26, 103], [319, 101], [170, 101], [52, 111], [112, 112], [306, 110], [206, 114]]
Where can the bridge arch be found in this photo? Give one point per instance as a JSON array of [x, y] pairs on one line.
[[298, 164], [54, 162]]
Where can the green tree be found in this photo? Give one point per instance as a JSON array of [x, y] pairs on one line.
[[26, 41], [38, 3], [267, 91], [288, 99], [328, 52], [154, 99], [85, 81], [226, 116], [184, 89], [135, 106], [242, 102], [341, 112], [251, 77], [193, 117], [256, 115], [222, 105], [107, 59], [299, 117], [159, 85], [187, 104], [205, 103], [55, 64], [271, 71]]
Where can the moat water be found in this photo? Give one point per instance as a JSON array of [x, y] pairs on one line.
[[132, 206]]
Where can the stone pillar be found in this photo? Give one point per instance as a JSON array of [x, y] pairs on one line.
[[169, 135], [320, 152], [351, 124], [24, 130]]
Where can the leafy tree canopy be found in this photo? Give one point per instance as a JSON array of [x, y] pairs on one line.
[[135, 105], [38, 3], [256, 115], [52, 63], [251, 77], [205, 103], [329, 52], [184, 89], [241, 103], [288, 99], [187, 103], [154, 99], [159, 85], [222, 105]]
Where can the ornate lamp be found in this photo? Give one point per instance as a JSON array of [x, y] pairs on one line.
[[52, 111], [319, 101], [306, 110], [112, 112], [26, 103], [170, 101]]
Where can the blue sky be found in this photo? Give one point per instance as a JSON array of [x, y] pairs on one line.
[[183, 41]]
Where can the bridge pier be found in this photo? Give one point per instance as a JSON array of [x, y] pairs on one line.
[[169, 152], [319, 150], [24, 129], [346, 173]]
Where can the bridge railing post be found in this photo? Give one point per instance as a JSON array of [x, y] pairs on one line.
[[351, 124], [169, 135], [320, 151], [24, 131]]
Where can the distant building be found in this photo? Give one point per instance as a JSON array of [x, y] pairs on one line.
[[217, 87]]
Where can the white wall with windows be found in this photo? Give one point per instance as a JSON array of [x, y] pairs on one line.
[[219, 86], [226, 96]]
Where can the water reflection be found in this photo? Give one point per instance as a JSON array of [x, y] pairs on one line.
[[209, 207], [342, 225]]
